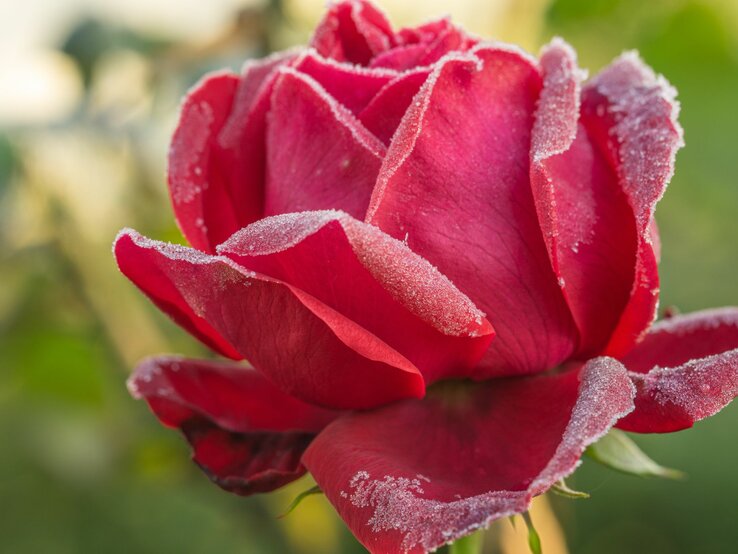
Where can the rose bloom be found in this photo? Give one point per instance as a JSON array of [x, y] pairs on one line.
[[439, 257]]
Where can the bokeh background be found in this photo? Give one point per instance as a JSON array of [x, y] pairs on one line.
[[89, 91]]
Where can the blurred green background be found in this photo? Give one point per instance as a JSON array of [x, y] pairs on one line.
[[89, 91]]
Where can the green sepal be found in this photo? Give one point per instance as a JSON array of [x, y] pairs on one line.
[[299, 498], [618, 451], [562, 489], [534, 540]]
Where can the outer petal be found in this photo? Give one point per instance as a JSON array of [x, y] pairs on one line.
[[303, 346], [685, 369], [374, 281], [631, 114], [588, 225], [216, 159], [455, 184], [319, 156], [311, 346], [246, 434], [352, 31], [477, 453]]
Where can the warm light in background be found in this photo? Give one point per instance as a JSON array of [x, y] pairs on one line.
[[38, 87]]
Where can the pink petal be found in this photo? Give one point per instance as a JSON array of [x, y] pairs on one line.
[[455, 185], [385, 111], [400, 58], [137, 259], [685, 369], [325, 284], [587, 223], [352, 85], [373, 280], [246, 434], [352, 31], [216, 159], [418, 474], [307, 349], [318, 155], [630, 114], [425, 45]]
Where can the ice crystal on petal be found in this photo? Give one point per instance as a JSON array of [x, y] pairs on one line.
[[642, 103]]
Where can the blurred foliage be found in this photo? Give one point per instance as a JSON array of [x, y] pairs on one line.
[[86, 469]]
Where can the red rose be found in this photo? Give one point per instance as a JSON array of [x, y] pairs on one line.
[[507, 253]]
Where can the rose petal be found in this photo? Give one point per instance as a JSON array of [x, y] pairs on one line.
[[137, 260], [232, 396], [383, 114], [400, 58], [216, 159], [325, 285], [631, 114], [319, 156], [685, 369], [455, 184], [373, 280], [352, 31], [587, 223], [418, 474], [307, 349], [352, 85], [424, 45], [246, 434]]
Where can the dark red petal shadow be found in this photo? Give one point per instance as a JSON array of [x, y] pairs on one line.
[[455, 186], [319, 156], [630, 113], [245, 434], [585, 217], [418, 474], [216, 159], [685, 369]]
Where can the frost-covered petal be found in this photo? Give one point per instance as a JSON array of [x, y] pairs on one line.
[[425, 45], [331, 309], [455, 186], [375, 281], [383, 114], [319, 155], [685, 369], [352, 31], [306, 348], [418, 474], [246, 434], [585, 217], [352, 85], [216, 159], [631, 114]]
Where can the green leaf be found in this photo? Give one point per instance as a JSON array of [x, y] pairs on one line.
[[471, 544], [562, 489], [299, 498], [617, 451], [534, 540]]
